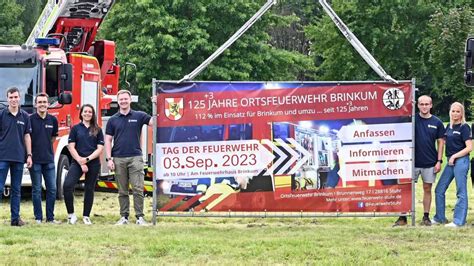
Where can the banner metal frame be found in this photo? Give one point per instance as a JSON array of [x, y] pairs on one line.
[[153, 159], [301, 214], [413, 183]]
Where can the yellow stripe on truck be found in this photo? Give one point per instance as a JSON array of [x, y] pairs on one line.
[[148, 187]]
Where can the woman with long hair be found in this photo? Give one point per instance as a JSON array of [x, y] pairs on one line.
[[86, 142], [458, 146]]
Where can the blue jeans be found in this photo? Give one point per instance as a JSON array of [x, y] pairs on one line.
[[16, 175], [48, 171], [459, 173]]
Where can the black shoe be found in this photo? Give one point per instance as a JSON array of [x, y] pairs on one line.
[[402, 220], [18, 222], [426, 221]]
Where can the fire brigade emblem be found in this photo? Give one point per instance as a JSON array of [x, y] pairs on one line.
[[174, 108], [393, 98]]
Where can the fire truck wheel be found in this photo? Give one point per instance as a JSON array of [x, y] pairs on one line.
[[63, 168]]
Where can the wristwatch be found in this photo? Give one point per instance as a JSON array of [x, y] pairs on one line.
[[440, 161], [29, 155], [87, 159], [108, 159]]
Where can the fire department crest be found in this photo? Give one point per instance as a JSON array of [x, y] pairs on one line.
[[174, 108]]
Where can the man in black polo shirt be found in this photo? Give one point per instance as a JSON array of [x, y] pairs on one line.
[[125, 157], [429, 144], [15, 147], [44, 129]]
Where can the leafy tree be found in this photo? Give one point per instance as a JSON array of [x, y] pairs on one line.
[[32, 10], [168, 39], [402, 37], [10, 24], [448, 29], [292, 37], [390, 30]]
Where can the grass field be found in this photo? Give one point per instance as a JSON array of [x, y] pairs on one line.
[[231, 241]]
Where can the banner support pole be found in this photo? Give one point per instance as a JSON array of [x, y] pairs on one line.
[[153, 159], [413, 184]]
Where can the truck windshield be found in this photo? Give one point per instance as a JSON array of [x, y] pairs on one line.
[[25, 78]]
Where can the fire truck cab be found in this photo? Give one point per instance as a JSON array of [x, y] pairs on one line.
[[62, 58]]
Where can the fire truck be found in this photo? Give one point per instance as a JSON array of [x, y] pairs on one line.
[[62, 58]]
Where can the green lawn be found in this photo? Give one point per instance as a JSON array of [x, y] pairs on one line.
[[231, 241]]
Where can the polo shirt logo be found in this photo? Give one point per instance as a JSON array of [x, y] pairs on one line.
[[431, 126], [48, 126], [456, 132], [20, 122], [132, 120]]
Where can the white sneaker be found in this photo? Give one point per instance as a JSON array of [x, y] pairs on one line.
[[434, 222], [72, 218], [453, 225], [86, 220], [141, 221], [38, 221], [53, 222], [122, 221]]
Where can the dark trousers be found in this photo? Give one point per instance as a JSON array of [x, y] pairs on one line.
[[72, 178]]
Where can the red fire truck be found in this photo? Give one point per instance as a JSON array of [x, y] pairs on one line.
[[62, 58]]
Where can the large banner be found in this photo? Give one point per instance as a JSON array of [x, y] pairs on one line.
[[284, 147]]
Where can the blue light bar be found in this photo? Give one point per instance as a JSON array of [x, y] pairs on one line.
[[47, 41]]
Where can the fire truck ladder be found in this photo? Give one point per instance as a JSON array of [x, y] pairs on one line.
[[68, 9], [46, 21]]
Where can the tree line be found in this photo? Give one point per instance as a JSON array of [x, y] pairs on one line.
[[295, 40]]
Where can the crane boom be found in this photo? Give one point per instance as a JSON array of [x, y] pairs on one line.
[[45, 22]]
